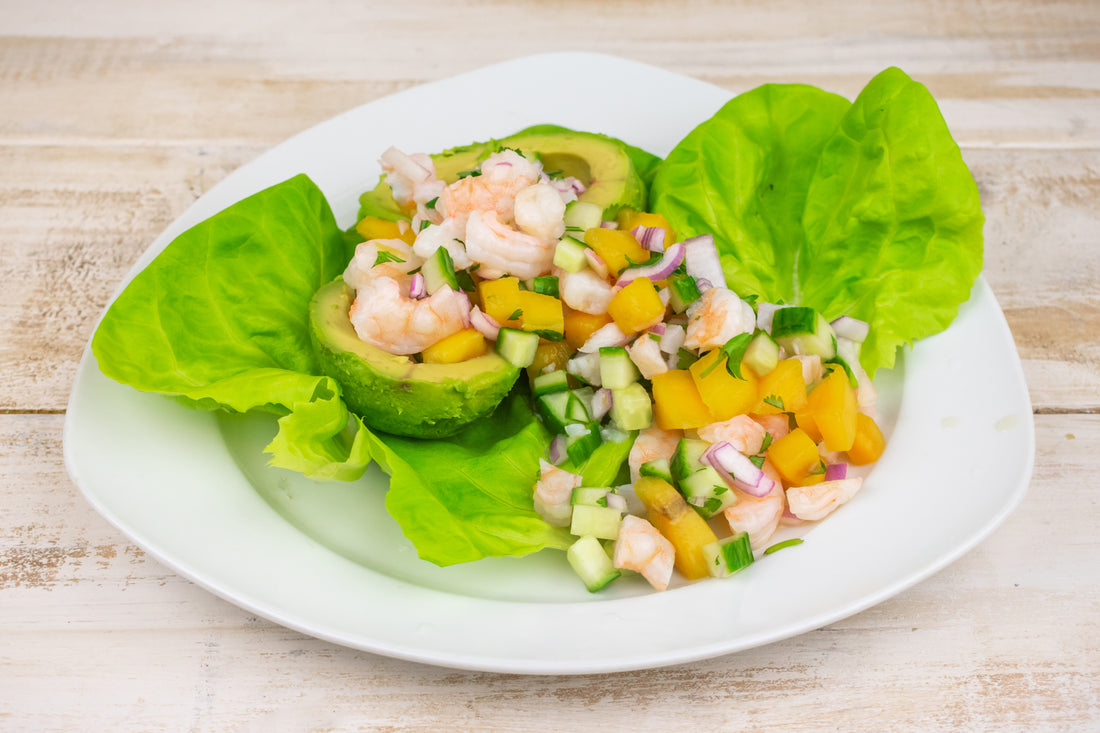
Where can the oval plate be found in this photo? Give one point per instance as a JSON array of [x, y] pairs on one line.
[[192, 488]]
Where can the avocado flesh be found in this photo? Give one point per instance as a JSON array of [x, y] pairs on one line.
[[393, 393], [599, 162]]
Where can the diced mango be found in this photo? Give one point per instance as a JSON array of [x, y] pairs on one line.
[[615, 247], [805, 420], [676, 402], [782, 389], [637, 306], [794, 456], [500, 299], [579, 326], [869, 442], [678, 522], [724, 395], [551, 354], [540, 312], [372, 227], [811, 479], [834, 407], [459, 346], [636, 219]]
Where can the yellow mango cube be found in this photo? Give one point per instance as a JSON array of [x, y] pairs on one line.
[[637, 306], [550, 355], [540, 312], [615, 247], [782, 389], [500, 300], [869, 443], [459, 346], [579, 326], [794, 456], [834, 407], [676, 402], [725, 395], [372, 227], [678, 523]]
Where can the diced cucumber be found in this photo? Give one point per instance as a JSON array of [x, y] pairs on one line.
[[517, 347], [546, 285], [657, 468], [553, 409], [631, 408], [682, 292], [616, 368], [598, 521], [579, 447], [555, 381], [802, 330], [439, 270], [582, 215], [707, 492], [687, 458], [726, 556], [590, 561], [762, 353], [580, 405], [590, 496], [569, 255]]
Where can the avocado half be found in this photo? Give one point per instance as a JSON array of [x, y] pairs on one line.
[[394, 393]]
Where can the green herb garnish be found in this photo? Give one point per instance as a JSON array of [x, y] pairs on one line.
[[780, 545]]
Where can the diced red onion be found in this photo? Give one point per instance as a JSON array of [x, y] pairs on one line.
[[484, 323], [851, 328], [701, 255], [836, 471], [466, 301], [659, 329], [659, 270], [609, 225], [601, 403], [575, 429], [703, 284], [738, 470], [651, 238], [557, 449], [417, 289], [596, 263]]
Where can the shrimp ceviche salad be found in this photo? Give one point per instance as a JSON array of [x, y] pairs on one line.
[[748, 414], [559, 341]]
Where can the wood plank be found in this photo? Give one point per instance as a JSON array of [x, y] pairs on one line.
[[74, 219], [121, 643]]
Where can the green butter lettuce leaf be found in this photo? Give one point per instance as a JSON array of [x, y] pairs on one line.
[[743, 176], [220, 319], [893, 221], [865, 209]]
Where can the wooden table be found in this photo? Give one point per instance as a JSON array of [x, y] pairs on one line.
[[115, 116]]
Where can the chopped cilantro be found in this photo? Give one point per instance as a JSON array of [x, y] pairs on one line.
[[517, 313], [775, 401], [780, 545], [431, 204], [386, 256]]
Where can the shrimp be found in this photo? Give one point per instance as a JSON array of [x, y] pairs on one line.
[[650, 445], [758, 516], [448, 234], [742, 432], [777, 425], [819, 500], [554, 493], [366, 264], [642, 548], [502, 176], [645, 352], [503, 250], [716, 317], [539, 210], [411, 177], [384, 317], [585, 291]]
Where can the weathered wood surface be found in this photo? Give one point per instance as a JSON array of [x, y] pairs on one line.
[[115, 116]]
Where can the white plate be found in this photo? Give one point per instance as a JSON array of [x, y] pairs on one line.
[[192, 489]]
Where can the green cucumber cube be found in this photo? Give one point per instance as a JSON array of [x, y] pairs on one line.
[[591, 563], [687, 458], [616, 368], [631, 407], [726, 556], [582, 215], [555, 381], [802, 330], [762, 353], [569, 255], [517, 347], [707, 492], [658, 468], [598, 521]]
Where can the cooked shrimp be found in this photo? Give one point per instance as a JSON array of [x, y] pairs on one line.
[[585, 291], [742, 432], [812, 368], [384, 317], [448, 235], [646, 354], [651, 445], [539, 210], [642, 548], [758, 516], [366, 264], [777, 425], [716, 317], [503, 250], [819, 500], [554, 492], [412, 177], [503, 175]]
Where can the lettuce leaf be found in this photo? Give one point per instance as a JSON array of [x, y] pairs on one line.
[[220, 319], [864, 209]]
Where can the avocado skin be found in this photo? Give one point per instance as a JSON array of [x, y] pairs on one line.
[[393, 393]]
